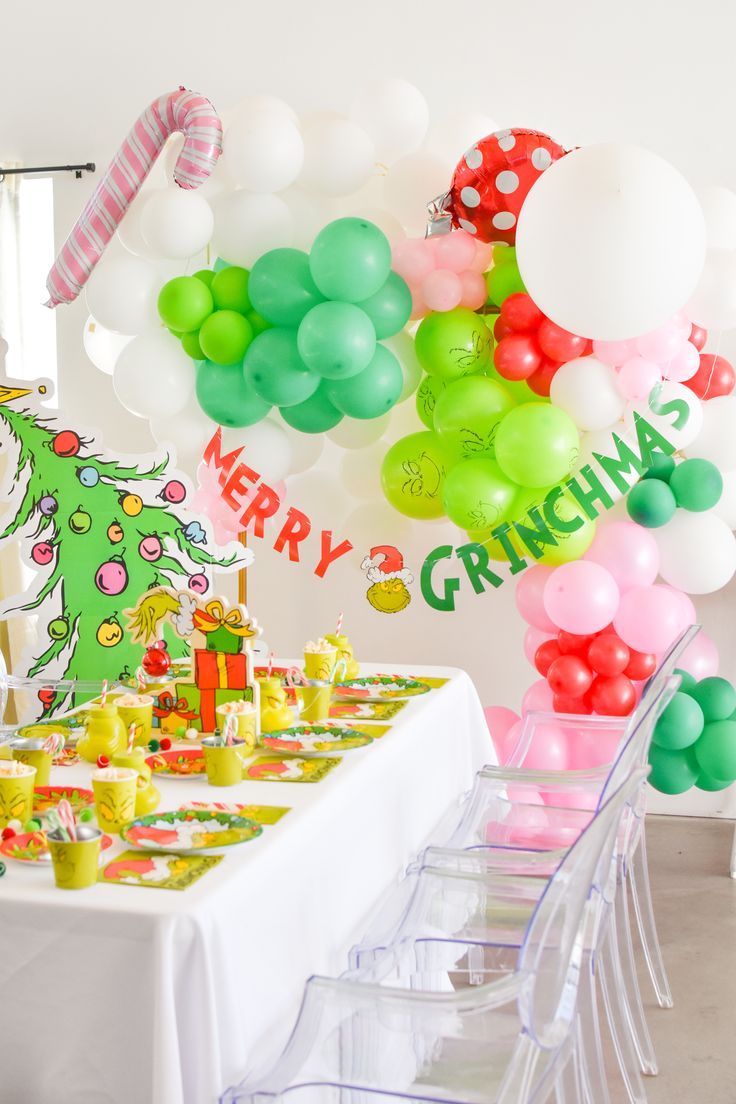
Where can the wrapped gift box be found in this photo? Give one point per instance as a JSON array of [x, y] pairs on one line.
[[216, 673], [185, 704]]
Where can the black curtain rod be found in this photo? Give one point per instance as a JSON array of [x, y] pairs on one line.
[[76, 169]]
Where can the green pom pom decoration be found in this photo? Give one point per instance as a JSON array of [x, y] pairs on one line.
[[154, 745], [85, 816], [181, 732], [32, 826]]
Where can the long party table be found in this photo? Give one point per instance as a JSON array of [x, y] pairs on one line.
[[127, 994]]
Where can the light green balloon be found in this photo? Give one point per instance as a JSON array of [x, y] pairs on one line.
[[389, 309], [276, 372], [373, 391], [337, 340], [537, 444], [413, 475], [467, 415], [503, 280], [477, 495], [190, 345], [226, 397], [451, 344], [315, 415], [350, 260], [230, 289], [184, 303], [257, 322], [429, 390], [281, 287], [225, 336]]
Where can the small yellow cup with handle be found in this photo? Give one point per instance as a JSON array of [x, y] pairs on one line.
[[313, 700], [223, 762], [320, 657], [245, 715], [136, 709], [31, 750], [75, 862], [16, 790], [115, 793]]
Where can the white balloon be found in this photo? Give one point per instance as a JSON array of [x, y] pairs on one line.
[[713, 304], [587, 390], [716, 440], [697, 552], [306, 449], [263, 151], [355, 433], [610, 241], [262, 102], [726, 506], [188, 431], [310, 213], [154, 377], [402, 346], [680, 435], [457, 132], [267, 448], [719, 209], [410, 185], [176, 224], [338, 157], [103, 347], [248, 225], [360, 471], [395, 114], [121, 294], [601, 441], [129, 231]]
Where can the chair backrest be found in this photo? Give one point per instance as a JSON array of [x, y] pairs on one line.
[[635, 752], [668, 662]]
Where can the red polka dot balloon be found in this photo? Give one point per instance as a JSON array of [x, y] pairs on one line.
[[494, 178]]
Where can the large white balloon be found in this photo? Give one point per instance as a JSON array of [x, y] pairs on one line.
[[610, 241], [129, 231], [189, 431], [360, 471], [338, 156], [719, 209], [262, 102], [248, 225], [394, 113], [402, 346], [121, 294], [726, 506], [356, 433], [673, 410], [587, 390], [263, 150], [410, 184], [176, 224], [713, 304], [306, 449], [267, 448], [103, 347], [154, 377], [716, 440], [310, 213], [697, 552]]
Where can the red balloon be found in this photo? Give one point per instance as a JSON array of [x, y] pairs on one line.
[[572, 644], [559, 344], [492, 181], [614, 696], [540, 381], [608, 655], [517, 356], [641, 665], [714, 377], [563, 703], [569, 675], [500, 329], [545, 656], [520, 313], [698, 337]]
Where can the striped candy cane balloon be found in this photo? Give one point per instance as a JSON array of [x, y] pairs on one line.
[[183, 111]]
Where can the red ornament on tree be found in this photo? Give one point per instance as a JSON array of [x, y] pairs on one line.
[[157, 661], [66, 443]]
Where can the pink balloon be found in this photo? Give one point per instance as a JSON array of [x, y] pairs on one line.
[[532, 639], [474, 290], [530, 597], [649, 618], [628, 551], [501, 721], [613, 352], [581, 597], [413, 259], [700, 658], [548, 749], [689, 613], [661, 344], [418, 307], [455, 251], [637, 377], [483, 257], [442, 290], [538, 698], [683, 365]]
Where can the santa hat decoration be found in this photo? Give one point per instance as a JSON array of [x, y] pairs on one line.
[[385, 562]]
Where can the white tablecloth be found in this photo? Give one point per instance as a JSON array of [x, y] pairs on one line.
[[138, 995]]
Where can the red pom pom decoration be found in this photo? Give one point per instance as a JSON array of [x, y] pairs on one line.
[[7, 833], [102, 761], [165, 743]]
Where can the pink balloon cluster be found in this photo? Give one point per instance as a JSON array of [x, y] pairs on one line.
[[443, 272], [671, 352]]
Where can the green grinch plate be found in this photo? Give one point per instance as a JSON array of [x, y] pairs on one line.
[[377, 688], [178, 763], [31, 847], [46, 797], [190, 830], [314, 739]]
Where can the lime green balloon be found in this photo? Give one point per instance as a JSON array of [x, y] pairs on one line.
[[477, 495], [715, 751], [537, 444], [206, 275], [697, 484], [503, 280], [224, 395], [711, 785], [184, 303], [350, 260], [390, 308], [257, 322], [429, 390], [518, 389], [315, 415], [373, 391], [281, 287], [680, 724], [672, 772], [230, 289], [413, 475], [467, 415], [225, 336], [651, 503], [661, 467], [276, 372], [570, 545], [191, 346], [503, 254], [717, 698], [337, 340], [451, 344]]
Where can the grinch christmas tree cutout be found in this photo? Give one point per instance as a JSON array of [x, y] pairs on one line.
[[389, 579], [99, 530]]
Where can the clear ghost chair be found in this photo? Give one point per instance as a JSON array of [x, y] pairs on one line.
[[13, 684], [435, 1021]]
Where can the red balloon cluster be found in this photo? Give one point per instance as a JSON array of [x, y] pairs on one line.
[[530, 346], [593, 674], [714, 377]]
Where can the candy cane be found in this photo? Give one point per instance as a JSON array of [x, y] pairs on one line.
[[65, 814], [183, 111]]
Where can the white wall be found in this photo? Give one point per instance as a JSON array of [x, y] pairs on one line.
[[654, 72]]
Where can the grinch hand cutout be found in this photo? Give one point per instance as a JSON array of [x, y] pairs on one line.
[[389, 579]]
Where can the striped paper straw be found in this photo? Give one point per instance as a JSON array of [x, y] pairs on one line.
[[269, 669], [140, 678], [338, 627], [131, 736], [103, 695]]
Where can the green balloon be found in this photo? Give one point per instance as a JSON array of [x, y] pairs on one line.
[[672, 772], [687, 681], [537, 444], [715, 751], [705, 782], [206, 275], [662, 467], [184, 303], [337, 340], [503, 280], [225, 336], [230, 289], [220, 263], [389, 309], [350, 260], [696, 484], [224, 395], [257, 322], [281, 287], [680, 724], [276, 372], [518, 389], [503, 254], [477, 495], [315, 415], [429, 390], [467, 415], [717, 699], [570, 546], [190, 345], [651, 503], [413, 475], [373, 391], [455, 343]]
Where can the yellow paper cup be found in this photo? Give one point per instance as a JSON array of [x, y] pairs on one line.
[[16, 791], [115, 793], [30, 750], [223, 762], [313, 701], [320, 665], [141, 715], [75, 863], [246, 723]]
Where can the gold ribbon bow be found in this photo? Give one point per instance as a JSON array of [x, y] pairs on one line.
[[213, 617]]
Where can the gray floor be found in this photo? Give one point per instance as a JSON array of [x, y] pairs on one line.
[[695, 906]]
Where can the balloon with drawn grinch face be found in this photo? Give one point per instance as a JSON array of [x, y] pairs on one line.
[[413, 475]]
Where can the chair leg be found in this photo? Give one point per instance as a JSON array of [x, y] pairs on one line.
[[623, 1046], [641, 892], [625, 976], [590, 1045]]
